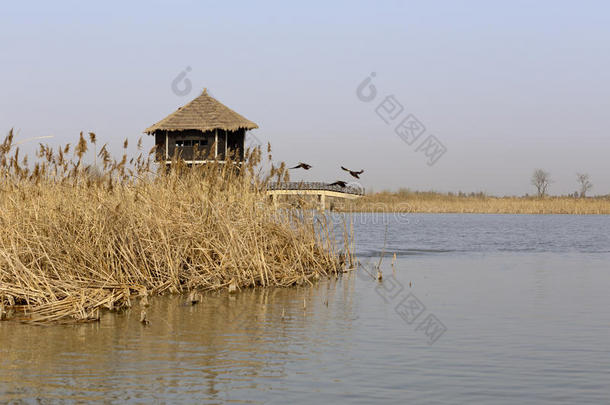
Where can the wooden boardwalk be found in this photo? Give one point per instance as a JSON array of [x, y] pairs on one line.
[[318, 189]]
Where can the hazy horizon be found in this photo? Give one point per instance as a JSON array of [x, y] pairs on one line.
[[506, 88]]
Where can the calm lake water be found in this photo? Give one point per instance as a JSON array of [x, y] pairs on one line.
[[494, 309]]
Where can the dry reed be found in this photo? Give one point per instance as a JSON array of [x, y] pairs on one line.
[[430, 202], [77, 239]]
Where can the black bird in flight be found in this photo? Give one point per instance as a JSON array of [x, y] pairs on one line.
[[338, 183], [302, 165], [353, 172]]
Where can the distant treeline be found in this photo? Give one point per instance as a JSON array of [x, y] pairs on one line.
[[408, 193]]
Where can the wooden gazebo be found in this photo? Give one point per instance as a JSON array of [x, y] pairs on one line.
[[203, 129]]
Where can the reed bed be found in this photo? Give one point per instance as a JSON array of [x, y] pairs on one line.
[[430, 202], [77, 240]]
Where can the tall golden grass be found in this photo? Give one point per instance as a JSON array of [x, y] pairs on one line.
[[431, 202], [76, 240]]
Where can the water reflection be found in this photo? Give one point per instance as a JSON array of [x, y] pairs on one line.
[[523, 326], [223, 343]]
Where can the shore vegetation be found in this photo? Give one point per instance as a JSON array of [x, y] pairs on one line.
[[405, 201], [78, 239]]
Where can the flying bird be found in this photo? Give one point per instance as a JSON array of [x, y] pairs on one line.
[[302, 165], [353, 172], [338, 183]]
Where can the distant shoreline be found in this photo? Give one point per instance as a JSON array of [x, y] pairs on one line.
[[429, 202]]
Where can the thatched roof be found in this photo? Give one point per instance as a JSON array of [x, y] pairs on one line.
[[204, 113]]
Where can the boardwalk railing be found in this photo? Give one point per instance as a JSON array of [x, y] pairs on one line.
[[351, 188]]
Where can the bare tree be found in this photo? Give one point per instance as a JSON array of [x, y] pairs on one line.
[[541, 180], [585, 184]]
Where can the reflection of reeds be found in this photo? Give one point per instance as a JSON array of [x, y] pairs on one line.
[[76, 238], [430, 202]]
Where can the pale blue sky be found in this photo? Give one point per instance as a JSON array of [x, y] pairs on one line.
[[506, 87]]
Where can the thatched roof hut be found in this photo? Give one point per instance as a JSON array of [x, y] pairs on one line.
[[191, 131]]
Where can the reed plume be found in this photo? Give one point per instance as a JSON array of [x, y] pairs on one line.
[[75, 240]]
